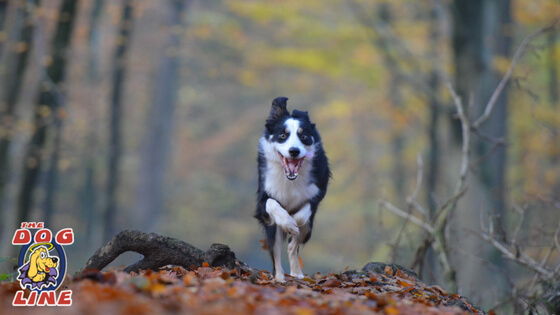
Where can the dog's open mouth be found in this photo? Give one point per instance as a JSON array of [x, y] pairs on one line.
[[47, 269], [291, 166]]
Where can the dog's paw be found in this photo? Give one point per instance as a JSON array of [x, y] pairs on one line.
[[297, 275], [279, 278], [289, 226]]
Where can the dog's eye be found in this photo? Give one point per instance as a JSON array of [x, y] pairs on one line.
[[42, 255], [303, 137], [283, 136]]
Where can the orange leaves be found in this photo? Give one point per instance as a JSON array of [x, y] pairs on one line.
[[332, 283], [221, 291]]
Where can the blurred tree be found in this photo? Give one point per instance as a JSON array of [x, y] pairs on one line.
[[88, 193], [435, 106], [13, 62], [157, 148], [552, 60], [3, 13], [481, 33], [48, 107], [395, 97], [115, 141]]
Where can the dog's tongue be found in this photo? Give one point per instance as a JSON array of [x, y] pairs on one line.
[[291, 166], [47, 269]]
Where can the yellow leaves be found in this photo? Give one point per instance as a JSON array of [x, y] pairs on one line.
[[45, 111], [535, 12], [501, 64], [364, 54], [313, 60], [21, 47], [304, 311], [248, 77], [261, 12]]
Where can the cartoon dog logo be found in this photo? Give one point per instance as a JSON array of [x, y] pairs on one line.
[[41, 269]]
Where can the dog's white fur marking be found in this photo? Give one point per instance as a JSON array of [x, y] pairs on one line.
[[293, 252], [292, 127], [277, 252], [292, 194], [281, 218], [302, 216]]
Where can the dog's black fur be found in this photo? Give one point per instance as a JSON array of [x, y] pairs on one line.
[[281, 150]]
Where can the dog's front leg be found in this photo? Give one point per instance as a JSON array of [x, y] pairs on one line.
[[277, 256], [281, 217], [293, 252], [303, 215]]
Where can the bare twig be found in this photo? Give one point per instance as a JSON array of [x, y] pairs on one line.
[[405, 215], [519, 257], [521, 212], [557, 237], [411, 200], [518, 54]]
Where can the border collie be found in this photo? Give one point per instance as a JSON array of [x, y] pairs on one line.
[[293, 177]]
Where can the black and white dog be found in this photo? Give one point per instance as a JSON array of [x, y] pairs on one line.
[[293, 177]]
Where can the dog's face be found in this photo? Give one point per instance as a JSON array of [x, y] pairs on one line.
[[44, 261], [292, 136]]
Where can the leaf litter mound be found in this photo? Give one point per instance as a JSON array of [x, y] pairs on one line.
[[217, 290]]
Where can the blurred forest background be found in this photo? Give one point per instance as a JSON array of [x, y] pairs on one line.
[[139, 114]]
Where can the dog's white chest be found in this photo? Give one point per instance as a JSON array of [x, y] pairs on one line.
[[290, 194]]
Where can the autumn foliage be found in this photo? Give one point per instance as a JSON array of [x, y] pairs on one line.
[[215, 290]]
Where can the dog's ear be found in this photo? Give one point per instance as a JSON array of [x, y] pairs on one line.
[[277, 111]]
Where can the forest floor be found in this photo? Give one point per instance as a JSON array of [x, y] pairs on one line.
[[211, 290]]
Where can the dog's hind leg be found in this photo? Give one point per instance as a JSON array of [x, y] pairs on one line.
[[293, 252]]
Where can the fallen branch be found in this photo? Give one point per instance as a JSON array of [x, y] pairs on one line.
[[161, 251]]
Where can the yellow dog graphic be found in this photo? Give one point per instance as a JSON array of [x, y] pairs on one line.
[[40, 264]]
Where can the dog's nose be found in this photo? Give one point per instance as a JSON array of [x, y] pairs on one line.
[[54, 259], [294, 151]]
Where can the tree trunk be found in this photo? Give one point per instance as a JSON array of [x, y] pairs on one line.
[[52, 173], [46, 108], [156, 148], [432, 176], [115, 145], [479, 36], [395, 98], [3, 13], [554, 98], [94, 40], [14, 61], [88, 193]]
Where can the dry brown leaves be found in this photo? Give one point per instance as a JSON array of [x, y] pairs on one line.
[[207, 290]]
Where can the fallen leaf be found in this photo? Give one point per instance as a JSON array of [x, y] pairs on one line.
[[388, 270], [332, 283]]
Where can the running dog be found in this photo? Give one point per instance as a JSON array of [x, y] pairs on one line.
[[293, 178]]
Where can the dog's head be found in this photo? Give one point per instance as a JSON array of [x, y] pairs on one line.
[[292, 136], [43, 261]]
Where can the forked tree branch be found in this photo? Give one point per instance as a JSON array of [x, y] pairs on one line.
[[518, 54]]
